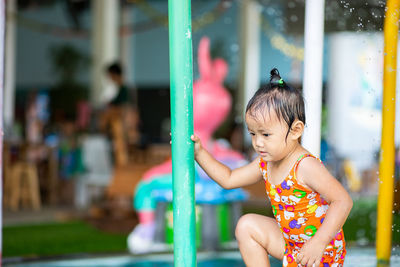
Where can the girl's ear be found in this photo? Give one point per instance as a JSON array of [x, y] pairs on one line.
[[297, 129]]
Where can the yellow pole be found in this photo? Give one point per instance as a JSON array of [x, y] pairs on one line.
[[386, 165]]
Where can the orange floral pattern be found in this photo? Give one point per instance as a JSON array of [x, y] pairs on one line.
[[299, 213]]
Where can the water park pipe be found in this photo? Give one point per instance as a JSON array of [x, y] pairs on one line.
[[105, 43], [9, 71], [126, 51], [181, 82], [250, 18], [312, 81], [2, 35], [386, 164]]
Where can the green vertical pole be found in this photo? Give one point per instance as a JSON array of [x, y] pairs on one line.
[[181, 80], [224, 224]]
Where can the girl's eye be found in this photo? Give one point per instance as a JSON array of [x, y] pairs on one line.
[[252, 134], [266, 135]]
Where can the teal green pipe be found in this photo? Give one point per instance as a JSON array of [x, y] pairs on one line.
[[144, 200], [181, 82]]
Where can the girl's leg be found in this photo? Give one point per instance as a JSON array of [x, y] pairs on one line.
[[259, 236]]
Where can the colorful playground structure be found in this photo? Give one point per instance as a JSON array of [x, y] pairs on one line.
[[212, 200]]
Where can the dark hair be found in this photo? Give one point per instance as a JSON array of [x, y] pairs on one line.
[[115, 68], [286, 101]]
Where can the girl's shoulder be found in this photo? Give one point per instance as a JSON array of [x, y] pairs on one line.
[[309, 169], [305, 159], [308, 161], [304, 167]]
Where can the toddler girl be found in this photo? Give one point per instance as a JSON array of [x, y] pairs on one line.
[[310, 206]]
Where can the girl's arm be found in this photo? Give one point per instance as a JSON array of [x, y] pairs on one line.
[[222, 174], [313, 174]]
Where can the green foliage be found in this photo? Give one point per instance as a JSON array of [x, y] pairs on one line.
[[67, 62], [58, 239], [360, 227]]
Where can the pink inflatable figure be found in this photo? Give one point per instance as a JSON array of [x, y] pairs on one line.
[[211, 105], [206, 91]]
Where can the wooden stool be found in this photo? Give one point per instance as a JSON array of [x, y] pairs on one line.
[[24, 186], [6, 174], [119, 142]]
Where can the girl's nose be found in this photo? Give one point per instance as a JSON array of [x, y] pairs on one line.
[[258, 142]]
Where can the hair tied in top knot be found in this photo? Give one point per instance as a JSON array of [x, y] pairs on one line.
[[275, 79]]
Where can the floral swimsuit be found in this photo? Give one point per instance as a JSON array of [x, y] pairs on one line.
[[299, 213]]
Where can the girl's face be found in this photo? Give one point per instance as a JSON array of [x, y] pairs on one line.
[[268, 136]]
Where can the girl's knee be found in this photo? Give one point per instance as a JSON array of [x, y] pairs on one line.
[[244, 226]]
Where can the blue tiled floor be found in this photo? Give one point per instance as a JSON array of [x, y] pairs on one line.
[[356, 257]]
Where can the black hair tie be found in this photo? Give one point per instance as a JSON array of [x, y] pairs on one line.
[[275, 78]]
